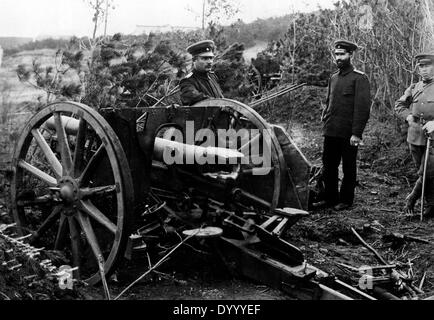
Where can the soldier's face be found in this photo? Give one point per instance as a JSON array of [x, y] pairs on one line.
[[426, 71], [203, 64], [342, 58]]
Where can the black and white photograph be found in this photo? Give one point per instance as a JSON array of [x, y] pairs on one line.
[[216, 157]]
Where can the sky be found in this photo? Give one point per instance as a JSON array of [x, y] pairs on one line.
[[33, 18]]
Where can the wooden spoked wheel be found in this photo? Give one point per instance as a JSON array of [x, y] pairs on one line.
[[71, 187], [265, 185]]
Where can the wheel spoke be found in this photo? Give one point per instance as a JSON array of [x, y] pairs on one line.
[[59, 243], [36, 201], [232, 121], [49, 154], [103, 190], [86, 226], [79, 147], [89, 208], [75, 241], [92, 162], [38, 173], [51, 219], [246, 147], [63, 143]]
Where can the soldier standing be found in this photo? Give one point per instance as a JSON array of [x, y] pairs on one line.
[[416, 107], [345, 116], [202, 82]]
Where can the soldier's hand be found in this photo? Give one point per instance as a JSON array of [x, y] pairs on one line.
[[409, 118], [355, 141], [429, 127]]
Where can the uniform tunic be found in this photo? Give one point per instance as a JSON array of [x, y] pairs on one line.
[[418, 100], [198, 86], [348, 104]]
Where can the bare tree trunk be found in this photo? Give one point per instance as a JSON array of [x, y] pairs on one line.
[[96, 17], [293, 53], [429, 24], [203, 14], [94, 29], [106, 15]]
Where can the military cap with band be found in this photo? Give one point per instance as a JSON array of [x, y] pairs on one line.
[[203, 48], [345, 45], [424, 58]]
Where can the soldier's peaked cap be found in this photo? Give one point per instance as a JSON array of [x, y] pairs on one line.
[[425, 58], [346, 45], [202, 48]]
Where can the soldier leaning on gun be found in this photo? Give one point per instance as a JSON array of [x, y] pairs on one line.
[[416, 107], [201, 83]]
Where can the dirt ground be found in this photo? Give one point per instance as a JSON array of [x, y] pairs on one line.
[[325, 237]]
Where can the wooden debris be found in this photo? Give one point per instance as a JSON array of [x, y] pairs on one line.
[[103, 278], [17, 266], [395, 275], [422, 281], [367, 246], [4, 296], [162, 260], [399, 237], [19, 247]]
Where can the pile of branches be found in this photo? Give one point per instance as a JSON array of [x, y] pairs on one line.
[[30, 273], [124, 71]]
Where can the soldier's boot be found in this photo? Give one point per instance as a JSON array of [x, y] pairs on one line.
[[411, 199]]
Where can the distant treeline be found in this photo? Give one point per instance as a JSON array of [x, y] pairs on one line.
[[389, 33], [258, 30], [12, 42], [247, 33], [49, 43]]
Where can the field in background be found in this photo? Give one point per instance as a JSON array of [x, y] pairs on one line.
[[17, 99]]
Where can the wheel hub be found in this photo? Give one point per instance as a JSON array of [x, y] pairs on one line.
[[68, 190]]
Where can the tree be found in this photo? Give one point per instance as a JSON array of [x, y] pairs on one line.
[[54, 79], [398, 32], [100, 10], [302, 51], [428, 9], [213, 10]]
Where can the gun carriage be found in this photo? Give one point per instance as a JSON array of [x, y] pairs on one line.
[[94, 184]]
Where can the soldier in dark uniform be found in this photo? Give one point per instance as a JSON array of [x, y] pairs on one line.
[[416, 107], [345, 116], [201, 83]]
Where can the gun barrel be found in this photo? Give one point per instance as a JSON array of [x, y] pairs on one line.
[[276, 94], [70, 124], [164, 149], [167, 149]]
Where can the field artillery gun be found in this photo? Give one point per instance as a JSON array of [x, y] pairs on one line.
[[93, 184]]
